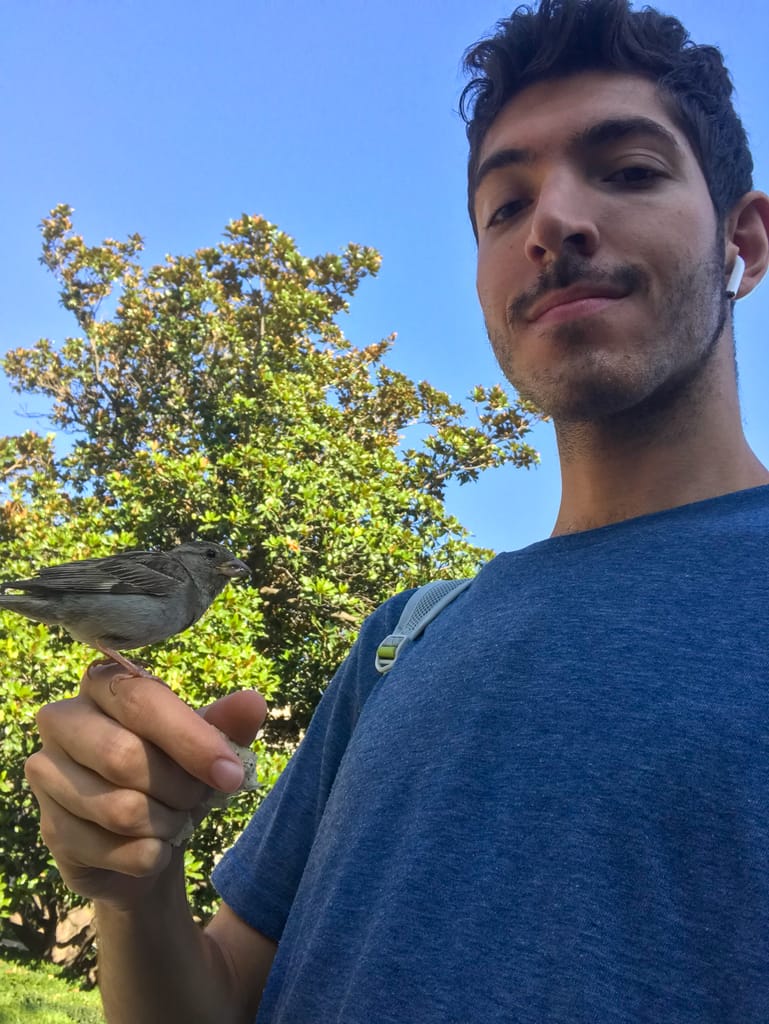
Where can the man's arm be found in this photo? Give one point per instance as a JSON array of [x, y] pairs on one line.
[[122, 767], [156, 966]]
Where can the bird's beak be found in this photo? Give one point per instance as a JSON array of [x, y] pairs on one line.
[[234, 569]]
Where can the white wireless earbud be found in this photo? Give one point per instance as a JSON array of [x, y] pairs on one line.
[[735, 278]]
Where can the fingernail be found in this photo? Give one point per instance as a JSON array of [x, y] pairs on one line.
[[227, 775]]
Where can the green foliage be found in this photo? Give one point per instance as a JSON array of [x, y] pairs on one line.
[[219, 399]]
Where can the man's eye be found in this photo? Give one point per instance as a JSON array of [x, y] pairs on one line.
[[635, 176], [505, 212]]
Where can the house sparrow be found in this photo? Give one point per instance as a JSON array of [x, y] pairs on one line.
[[128, 600], [131, 600]]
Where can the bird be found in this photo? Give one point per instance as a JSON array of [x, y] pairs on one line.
[[128, 600]]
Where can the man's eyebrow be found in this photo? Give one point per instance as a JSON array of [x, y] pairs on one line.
[[596, 135], [617, 128]]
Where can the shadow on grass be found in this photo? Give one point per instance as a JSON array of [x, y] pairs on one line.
[[36, 994]]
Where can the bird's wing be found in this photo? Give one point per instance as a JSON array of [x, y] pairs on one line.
[[133, 572]]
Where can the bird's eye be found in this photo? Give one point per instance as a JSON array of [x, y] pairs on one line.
[[210, 553]]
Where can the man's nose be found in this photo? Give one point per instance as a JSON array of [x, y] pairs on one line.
[[563, 215]]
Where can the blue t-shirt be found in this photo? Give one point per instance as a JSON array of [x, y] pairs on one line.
[[553, 810]]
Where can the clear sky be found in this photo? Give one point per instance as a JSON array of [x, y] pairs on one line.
[[337, 121]]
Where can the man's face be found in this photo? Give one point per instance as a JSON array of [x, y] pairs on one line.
[[599, 274]]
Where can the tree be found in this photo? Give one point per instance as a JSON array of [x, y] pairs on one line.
[[215, 396]]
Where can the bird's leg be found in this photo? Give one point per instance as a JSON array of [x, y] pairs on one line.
[[131, 668]]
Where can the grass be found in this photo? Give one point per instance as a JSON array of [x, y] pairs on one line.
[[39, 996]]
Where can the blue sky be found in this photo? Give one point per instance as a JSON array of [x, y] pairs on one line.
[[336, 121]]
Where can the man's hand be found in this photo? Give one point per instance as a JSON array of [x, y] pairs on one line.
[[122, 767]]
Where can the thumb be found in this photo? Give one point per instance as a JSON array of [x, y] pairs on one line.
[[239, 715]]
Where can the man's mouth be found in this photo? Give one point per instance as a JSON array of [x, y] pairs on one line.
[[576, 308], [576, 301]]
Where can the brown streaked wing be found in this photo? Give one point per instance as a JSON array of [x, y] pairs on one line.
[[134, 572]]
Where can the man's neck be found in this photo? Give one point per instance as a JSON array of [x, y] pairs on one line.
[[620, 469]]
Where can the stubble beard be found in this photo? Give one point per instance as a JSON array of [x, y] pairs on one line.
[[631, 395]]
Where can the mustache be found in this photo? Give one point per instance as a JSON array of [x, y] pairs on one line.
[[570, 269]]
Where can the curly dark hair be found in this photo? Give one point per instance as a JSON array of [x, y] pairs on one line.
[[561, 37]]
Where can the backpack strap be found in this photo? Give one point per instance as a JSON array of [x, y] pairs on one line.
[[418, 612]]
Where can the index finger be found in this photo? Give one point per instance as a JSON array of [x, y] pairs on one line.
[[151, 710]]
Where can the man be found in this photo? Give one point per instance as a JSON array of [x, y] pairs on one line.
[[553, 809]]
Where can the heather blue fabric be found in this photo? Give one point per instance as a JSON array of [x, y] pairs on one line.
[[554, 809]]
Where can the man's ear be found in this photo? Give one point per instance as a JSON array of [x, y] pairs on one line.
[[746, 234]]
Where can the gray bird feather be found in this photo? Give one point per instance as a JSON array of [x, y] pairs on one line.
[[131, 600], [127, 600]]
